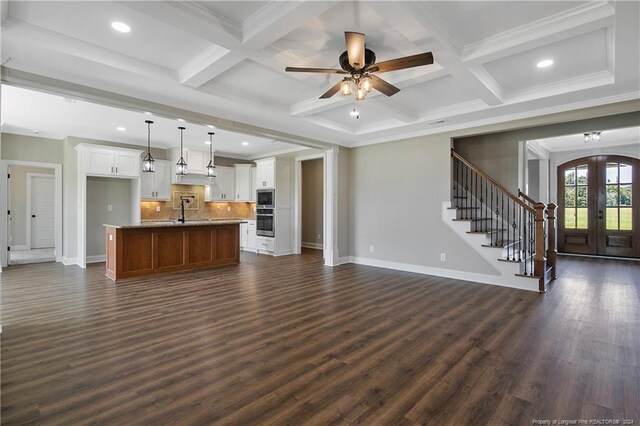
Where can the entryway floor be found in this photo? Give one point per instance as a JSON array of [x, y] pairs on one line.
[[22, 257]]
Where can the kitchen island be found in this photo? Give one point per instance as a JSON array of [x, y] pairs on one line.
[[161, 247]]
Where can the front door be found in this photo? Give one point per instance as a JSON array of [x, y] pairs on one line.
[[598, 206]]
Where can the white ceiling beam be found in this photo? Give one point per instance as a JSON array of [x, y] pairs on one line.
[[277, 19], [193, 18], [573, 22], [625, 62], [209, 64], [405, 80]]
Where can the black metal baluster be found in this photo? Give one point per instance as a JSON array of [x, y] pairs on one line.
[[508, 230], [491, 221]]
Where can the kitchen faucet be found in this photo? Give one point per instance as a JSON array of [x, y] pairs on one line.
[[184, 199]]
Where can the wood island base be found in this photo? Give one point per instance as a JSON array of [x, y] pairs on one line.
[[148, 250]]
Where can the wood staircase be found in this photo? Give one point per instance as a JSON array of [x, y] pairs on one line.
[[515, 229]]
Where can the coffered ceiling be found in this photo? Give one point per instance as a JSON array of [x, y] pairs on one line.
[[227, 58]]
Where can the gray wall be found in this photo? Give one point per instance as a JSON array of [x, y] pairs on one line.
[[18, 184], [102, 192], [29, 148], [312, 201], [495, 154]]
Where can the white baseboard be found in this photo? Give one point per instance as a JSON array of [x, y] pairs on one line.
[[96, 259], [315, 246], [284, 253], [20, 247], [515, 282], [249, 249], [343, 260], [69, 261]]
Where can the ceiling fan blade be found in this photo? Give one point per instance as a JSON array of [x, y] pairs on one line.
[[329, 93], [355, 49], [319, 70], [402, 63], [382, 86]]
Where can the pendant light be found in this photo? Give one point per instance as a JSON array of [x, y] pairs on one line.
[[181, 165], [211, 168], [148, 163]]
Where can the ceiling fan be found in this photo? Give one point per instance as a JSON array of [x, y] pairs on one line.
[[360, 63]]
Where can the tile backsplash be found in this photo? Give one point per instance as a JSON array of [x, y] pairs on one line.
[[216, 210]]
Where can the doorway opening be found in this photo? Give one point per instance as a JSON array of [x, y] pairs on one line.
[[598, 206], [310, 222], [33, 213]]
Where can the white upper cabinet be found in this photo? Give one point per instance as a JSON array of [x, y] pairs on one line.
[[266, 173], [243, 182], [107, 161], [254, 181], [157, 185], [127, 163], [223, 186]]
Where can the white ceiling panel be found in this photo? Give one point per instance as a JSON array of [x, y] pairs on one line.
[[471, 21], [237, 11], [90, 21], [261, 84], [443, 91], [574, 57]]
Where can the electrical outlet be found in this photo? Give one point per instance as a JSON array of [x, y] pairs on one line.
[[370, 249], [157, 209], [229, 208], [443, 257], [319, 237], [109, 208]]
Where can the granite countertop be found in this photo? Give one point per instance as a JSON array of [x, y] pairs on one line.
[[172, 223]]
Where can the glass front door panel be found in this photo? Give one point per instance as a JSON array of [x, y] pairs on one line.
[[619, 202], [576, 197]]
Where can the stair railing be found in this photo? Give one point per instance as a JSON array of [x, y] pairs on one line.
[[509, 221], [550, 233]]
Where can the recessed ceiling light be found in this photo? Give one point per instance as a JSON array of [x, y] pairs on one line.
[[121, 129], [545, 63], [245, 143], [181, 120], [120, 27], [207, 142], [211, 126]]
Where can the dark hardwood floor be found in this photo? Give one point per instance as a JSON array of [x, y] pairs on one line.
[[288, 341]]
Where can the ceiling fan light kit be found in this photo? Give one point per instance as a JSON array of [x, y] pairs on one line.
[[360, 63]]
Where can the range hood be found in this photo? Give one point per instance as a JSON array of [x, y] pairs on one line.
[[192, 179]]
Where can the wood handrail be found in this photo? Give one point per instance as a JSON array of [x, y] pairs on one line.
[[494, 182], [526, 197]]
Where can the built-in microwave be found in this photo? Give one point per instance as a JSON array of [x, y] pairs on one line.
[[266, 198]]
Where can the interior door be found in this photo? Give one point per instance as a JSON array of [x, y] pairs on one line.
[[42, 211], [599, 212]]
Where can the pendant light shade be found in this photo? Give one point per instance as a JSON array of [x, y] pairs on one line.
[[211, 168], [181, 165], [148, 163]]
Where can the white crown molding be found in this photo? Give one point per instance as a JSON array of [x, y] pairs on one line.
[[538, 149], [210, 63], [266, 16], [488, 81], [578, 20]]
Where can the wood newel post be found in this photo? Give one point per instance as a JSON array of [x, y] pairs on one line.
[[551, 239], [538, 258]]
